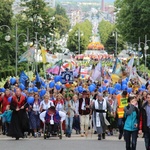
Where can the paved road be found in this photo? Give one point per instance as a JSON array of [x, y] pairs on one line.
[[74, 143]]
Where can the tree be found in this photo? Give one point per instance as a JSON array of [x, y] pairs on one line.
[[133, 20], [105, 30], [62, 24], [85, 30], [60, 11], [38, 18], [6, 48]]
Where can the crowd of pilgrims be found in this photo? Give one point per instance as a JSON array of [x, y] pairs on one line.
[[86, 113]]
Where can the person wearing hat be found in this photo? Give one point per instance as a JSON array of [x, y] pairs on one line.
[[100, 108], [52, 117], [84, 111]]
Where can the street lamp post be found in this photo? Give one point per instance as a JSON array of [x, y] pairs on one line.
[[7, 37], [79, 34], [17, 42], [146, 47], [116, 42], [134, 48]]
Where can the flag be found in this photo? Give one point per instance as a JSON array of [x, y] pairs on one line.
[[117, 69], [24, 79], [96, 75], [37, 80], [51, 58], [76, 71], [53, 70], [130, 65], [66, 65], [28, 55], [59, 63], [43, 52], [56, 68]]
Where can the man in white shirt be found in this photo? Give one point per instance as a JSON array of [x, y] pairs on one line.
[[52, 118]]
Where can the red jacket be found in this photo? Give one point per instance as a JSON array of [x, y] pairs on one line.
[[19, 103], [143, 118], [4, 102]]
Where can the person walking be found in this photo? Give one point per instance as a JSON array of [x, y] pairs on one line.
[[84, 111], [145, 121], [4, 103], [19, 122], [34, 115], [100, 108], [69, 108], [76, 119], [131, 121], [121, 103]]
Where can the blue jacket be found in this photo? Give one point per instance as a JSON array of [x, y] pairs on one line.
[[7, 114], [131, 118]]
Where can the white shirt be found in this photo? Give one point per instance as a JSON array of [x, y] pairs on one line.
[[59, 107], [36, 107], [46, 106], [61, 114], [83, 105], [76, 107]]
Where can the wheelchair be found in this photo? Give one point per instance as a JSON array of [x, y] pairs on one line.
[[52, 130]]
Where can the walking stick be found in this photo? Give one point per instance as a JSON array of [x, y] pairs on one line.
[[91, 128]]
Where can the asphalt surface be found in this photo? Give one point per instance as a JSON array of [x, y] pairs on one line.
[[74, 143]]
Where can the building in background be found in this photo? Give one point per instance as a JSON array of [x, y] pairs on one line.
[[102, 6], [17, 8]]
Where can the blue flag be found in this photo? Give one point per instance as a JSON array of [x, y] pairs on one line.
[[24, 79], [38, 80]]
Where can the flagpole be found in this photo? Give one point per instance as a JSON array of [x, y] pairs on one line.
[[28, 49], [44, 67], [36, 65]]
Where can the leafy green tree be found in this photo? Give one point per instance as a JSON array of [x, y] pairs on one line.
[[85, 29], [133, 20], [60, 11], [62, 24], [6, 47], [105, 30], [38, 18]]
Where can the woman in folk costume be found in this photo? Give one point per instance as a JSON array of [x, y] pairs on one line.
[[59, 103], [19, 122], [100, 108], [34, 118]]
